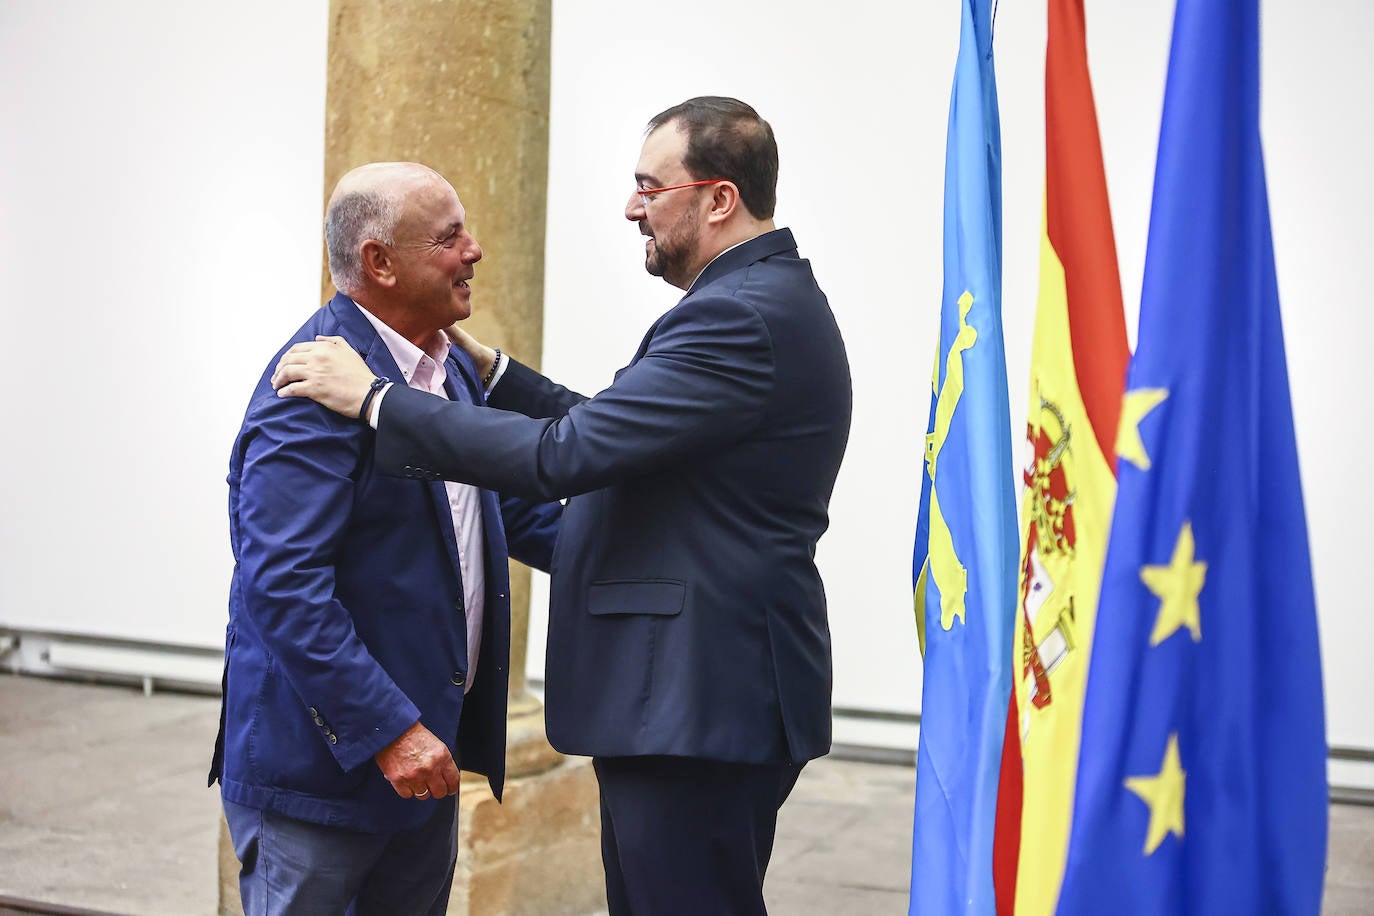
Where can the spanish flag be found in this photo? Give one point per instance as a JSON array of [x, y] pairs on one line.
[[1078, 369]]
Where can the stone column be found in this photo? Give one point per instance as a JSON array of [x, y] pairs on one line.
[[463, 86]]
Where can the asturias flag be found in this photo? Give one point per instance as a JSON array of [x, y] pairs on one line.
[[965, 554], [1078, 370], [1202, 782]]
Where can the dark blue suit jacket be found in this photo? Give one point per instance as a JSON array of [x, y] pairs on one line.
[[686, 613], [346, 616]]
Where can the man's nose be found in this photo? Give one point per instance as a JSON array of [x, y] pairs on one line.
[[474, 252], [634, 208]]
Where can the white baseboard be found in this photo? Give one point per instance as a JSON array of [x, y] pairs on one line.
[[118, 661], [859, 734]]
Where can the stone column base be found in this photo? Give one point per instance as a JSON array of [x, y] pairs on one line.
[[538, 854], [229, 904]]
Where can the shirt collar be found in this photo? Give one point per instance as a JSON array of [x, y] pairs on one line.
[[410, 357], [707, 264]]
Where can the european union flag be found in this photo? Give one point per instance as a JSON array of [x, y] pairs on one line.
[[1202, 781], [966, 541]]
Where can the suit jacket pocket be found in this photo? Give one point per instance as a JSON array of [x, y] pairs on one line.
[[661, 597], [287, 750]]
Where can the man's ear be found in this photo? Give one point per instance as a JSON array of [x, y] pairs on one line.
[[377, 263], [725, 201]]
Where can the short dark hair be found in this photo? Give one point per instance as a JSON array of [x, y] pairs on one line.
[[727, 139]]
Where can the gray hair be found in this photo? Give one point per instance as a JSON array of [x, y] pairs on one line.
[[353, 218]]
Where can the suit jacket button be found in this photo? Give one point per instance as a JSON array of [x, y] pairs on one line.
[[314, 711], [319, 720], [458, 678]]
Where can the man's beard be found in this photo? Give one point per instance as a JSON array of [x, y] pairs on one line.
[[673, 249]]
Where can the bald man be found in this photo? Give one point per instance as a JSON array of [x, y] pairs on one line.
[[367, 651]]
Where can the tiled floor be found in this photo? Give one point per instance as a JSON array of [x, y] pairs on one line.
[[103, 805]]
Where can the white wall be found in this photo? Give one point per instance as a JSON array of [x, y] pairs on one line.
[[160, 198], [161, 174]]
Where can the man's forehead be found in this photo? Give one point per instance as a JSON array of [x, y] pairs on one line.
[[436, 207], [664, 147]]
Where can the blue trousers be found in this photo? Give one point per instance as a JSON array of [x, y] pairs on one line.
[[682, 836], [295, 868]]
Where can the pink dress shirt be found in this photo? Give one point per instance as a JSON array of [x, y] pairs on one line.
[[424, 369]]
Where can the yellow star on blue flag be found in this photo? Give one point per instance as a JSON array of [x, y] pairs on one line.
[[1177, 586], [1163, 793]]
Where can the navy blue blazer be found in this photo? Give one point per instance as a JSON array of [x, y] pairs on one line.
[[686, 614], [346, 616]]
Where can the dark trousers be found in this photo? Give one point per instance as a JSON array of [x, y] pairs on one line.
[[298, 868], [690, 836]]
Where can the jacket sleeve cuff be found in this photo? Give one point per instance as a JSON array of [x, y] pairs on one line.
[[357, 747]]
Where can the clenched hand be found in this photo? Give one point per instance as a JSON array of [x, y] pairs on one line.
[[419, 765]]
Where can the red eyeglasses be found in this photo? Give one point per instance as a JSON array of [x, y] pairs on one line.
[[646, 193]]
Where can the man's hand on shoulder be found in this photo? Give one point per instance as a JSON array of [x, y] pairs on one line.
[[419, 765], [482, 356], [327, 371]]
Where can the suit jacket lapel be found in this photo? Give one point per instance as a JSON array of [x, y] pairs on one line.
[[363, 337], [374, 351], [460, 364], [443, 510], [460, 367]]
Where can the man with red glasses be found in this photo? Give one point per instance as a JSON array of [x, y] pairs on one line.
[[689, 649]]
